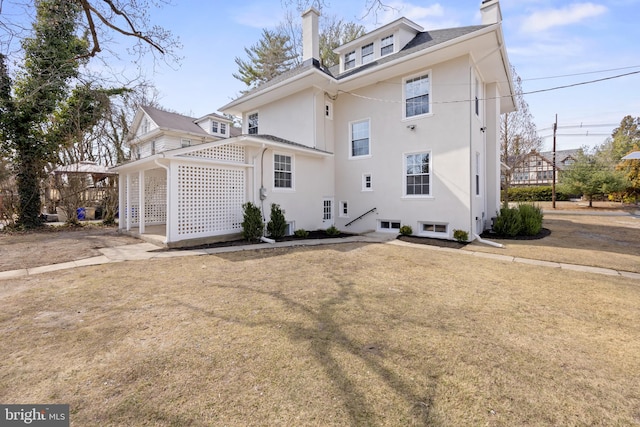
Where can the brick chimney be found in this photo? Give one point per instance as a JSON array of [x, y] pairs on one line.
[[490, 11], [310, 37]]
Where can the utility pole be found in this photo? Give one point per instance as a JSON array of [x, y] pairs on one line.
[[553, 182]]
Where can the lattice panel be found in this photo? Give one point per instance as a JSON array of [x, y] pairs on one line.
[[209, 200], [133, 210], [230, 152], [155, 197]]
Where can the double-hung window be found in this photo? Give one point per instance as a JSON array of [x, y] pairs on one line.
[[282, 171], [386, 45], [214, 127], [417, 174], [416, 96], [223, 128], [252, 126], [360, 138], [350, 60], [367, 53]]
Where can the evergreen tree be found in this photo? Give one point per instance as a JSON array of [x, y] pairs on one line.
[[271, 56]]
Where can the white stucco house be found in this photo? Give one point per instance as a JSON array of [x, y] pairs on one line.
[[404, 131]]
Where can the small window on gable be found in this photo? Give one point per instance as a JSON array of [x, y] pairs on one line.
[[223, 128], [350, 60], [367, 53], [145, 125], [214, 127], [386, 45], [252, 126], [185, 143], [367, 184]]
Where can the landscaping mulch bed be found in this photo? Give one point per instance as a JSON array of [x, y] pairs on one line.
[[542, 234], [433, 242]]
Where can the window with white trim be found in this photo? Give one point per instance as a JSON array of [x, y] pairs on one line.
[[282, 171], [386, 45], [431, 228], [388, 225], [350, 60], [367, 184], [359, 134], [223, 128], [252, 124], [214, 127], [328, 110], [344, 209], [417, 174], [185, 143], [367, 53], [416, 96]]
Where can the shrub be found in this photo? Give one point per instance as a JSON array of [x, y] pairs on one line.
[[332, 231], [277, 225], [461, 235], [406, 230], [542, 193], [252, 224], [531, 219], [508, 222], [301, 232]]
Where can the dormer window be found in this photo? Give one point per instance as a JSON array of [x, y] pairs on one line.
[[367, 53], [223, 128], [386, 45], [214, 127], [350, 60]]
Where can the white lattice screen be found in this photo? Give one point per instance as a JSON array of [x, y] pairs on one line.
[[155, 197], [133, 210], [231, 152], [209, 200]]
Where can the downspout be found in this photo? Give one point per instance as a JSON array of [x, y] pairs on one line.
[[167, 227], [263, 195], [488, 242]]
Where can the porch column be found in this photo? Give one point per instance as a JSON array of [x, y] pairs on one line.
[[128, 203], [141, 207], [121, 201]]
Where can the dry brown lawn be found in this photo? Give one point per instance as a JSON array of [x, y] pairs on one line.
[[349, 334]]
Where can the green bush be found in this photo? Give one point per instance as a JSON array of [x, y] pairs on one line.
[[277, 225], [252, 224], [406, 230], [508, 222], [531, 219], [301, 232], [540, 193], [461, 235], [332, 231]]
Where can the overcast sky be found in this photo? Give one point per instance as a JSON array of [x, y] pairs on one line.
[[550, 43]]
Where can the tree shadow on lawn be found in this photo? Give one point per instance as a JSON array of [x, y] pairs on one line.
[[326, 338]]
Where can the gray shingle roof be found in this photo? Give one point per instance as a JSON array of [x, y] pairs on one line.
[[167, 120], [179, 122]]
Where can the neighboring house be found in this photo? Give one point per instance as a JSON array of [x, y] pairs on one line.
[[537, 168], [404, 131]]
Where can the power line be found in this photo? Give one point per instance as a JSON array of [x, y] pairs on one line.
[[581, 74]]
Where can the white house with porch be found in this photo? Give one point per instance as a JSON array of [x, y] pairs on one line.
[[404, 131]]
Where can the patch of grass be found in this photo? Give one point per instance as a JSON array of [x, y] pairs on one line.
[[339, 339]]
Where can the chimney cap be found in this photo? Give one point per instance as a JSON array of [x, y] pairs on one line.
[[311, 10]]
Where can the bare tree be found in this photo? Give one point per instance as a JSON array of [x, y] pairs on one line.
[[518, 135]]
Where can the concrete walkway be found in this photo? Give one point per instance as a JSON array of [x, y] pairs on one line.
[[144, 251]]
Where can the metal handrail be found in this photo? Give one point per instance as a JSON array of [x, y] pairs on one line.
[[361, 216]]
